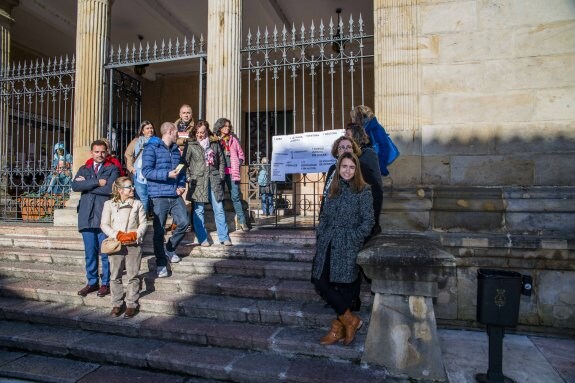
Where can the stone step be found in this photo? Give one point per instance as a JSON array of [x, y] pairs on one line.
[[212, 350], [310, 313], [47, 265]]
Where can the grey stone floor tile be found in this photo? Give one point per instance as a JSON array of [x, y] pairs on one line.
[[560, 353], [119, 374], [466, 354], [47, 369], [9, 356]]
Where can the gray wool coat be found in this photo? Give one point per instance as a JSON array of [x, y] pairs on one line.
[[344, 224], [199, 173]]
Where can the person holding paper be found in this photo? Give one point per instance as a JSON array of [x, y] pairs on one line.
[[205, 164], [344, 224], [165, 187]]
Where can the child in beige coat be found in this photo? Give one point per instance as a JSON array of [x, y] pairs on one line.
[[124, 218]]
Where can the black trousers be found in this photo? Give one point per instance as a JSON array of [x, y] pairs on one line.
[[338, 295]]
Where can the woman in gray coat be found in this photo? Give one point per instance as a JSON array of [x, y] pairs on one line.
[[204, 160], [344, 223]]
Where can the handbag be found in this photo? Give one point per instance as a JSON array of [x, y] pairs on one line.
[[111, 246], [391, 148]]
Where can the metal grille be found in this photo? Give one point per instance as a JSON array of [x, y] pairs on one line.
[[36, 116], [303, 80]]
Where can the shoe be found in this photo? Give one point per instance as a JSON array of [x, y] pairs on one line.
[[352, 323], [375, 230], [336, 333], [173, 227], [104, 290], [227, 242], [130, 312], [172, 256], [116, 311], [205, 244], [88, 289], [162, 271], [244, 227]]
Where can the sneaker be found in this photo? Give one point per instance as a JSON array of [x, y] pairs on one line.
[[227, 242], [88, 289], [205, 244], [103, 291], [244, 227], [172, 256], [162, 271]]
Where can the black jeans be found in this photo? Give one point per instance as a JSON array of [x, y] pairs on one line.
[[338, 295]]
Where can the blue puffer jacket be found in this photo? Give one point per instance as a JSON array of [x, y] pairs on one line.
[[157, 161]]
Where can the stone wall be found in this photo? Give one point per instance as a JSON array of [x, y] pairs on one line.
[[496, 93]]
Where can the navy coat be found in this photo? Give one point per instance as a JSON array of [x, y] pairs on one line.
[[93, 195]]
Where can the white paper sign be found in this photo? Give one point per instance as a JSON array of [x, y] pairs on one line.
[[302, 153]]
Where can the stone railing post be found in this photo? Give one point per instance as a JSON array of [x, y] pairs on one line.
[[402, 334]]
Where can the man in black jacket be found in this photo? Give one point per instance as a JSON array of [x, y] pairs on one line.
[[94, 179]]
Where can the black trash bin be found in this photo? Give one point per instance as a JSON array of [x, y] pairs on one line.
[[498, 297]]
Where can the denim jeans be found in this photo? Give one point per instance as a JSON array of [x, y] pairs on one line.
[[92, 241], [236, 196], [219, 215], [142, 194], [163, 206], [267, 203]]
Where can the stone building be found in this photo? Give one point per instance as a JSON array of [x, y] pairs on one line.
[[479, 96]]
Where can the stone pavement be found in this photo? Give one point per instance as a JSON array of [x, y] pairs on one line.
[[527, 359]]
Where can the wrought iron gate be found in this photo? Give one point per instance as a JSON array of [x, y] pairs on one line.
[[296, 81], [125, 92], [36, 116]]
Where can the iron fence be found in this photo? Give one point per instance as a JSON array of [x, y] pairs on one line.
[[36, 116]]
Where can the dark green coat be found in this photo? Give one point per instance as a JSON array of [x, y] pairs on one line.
[[199, 173]]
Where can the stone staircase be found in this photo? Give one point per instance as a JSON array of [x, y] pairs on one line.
[[245, 313]]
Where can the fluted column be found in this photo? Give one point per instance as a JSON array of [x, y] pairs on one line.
[[223, 77], [397, 77], [92, 30], [6, 22]]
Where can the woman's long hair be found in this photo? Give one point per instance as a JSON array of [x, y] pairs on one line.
[[143, 124], [118, 184], [358, 133], [361, 114], [356, 184], [220, 124]]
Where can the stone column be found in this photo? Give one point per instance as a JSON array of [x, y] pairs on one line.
[[397, 83], [92, 31], [6, 22], [223, 71], [405, 272]]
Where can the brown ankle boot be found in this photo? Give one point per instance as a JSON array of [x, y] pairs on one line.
[[352, 323], [335, 334]]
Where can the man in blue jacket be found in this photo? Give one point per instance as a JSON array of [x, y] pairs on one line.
[[94, 179], [165, 186]]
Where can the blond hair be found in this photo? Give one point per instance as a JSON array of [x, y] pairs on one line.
[[118, 184], [361, 114]]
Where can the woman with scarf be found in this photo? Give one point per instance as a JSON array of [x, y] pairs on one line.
[[133, 158], [234, 158], [344, 223], [204, 160]]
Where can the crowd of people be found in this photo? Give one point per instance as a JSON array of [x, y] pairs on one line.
[[190, 162]]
